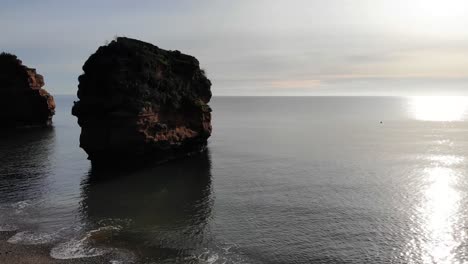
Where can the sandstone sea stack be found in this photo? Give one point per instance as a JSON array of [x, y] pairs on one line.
[[23, 101], [138, 102]]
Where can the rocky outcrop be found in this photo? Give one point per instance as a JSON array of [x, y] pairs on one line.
[[23, 102], [139, 102]]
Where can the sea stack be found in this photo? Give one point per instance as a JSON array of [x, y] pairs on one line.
[[139, 103], [23, 102]]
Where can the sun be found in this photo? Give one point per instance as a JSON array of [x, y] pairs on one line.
[[439, 108], [439, 8], [435, 16]]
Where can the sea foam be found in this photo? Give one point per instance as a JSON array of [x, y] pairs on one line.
[[32, 238]]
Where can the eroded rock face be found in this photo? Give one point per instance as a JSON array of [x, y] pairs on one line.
[[141, 103], [23, 102]]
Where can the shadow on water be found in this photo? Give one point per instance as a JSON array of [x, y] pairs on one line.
[[160, 212], [26, 158]]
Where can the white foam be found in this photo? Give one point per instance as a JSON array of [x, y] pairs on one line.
[[76, 248], [20, 206], [212, 259], [122, 256], [81, 248], [104, 229], [208, 257], [123, 259], [8, 228], [218, 255], [32, 238]]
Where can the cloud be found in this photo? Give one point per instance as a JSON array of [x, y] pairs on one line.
[[255, 47], [295, 84]]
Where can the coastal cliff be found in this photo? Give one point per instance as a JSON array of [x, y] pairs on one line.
[[23, 101], [138, 102]]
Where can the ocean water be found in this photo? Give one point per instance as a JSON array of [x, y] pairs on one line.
[[285, 180]]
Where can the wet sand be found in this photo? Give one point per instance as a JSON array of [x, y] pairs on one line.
[[35, 254]]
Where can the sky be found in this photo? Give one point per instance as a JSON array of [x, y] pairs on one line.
[[258, 47]]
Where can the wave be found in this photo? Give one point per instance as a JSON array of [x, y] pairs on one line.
[[84, 247], [76, 248]]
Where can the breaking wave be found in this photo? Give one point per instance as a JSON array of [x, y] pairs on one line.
[[84, 247]]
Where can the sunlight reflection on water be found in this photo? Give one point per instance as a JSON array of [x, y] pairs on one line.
[[439, 212], [287, 180]]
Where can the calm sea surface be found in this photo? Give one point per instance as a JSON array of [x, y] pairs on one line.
[[285, 180]]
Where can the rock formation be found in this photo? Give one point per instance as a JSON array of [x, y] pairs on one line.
[[142, 103], [23, 101]]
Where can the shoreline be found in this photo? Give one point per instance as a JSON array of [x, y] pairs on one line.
[[36, 254]]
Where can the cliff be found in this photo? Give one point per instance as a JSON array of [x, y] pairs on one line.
[[138, 102], [23, 101]]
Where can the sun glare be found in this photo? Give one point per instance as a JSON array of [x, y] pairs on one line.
[[436, 17], [440, 210], [439, 108], [438, 8]]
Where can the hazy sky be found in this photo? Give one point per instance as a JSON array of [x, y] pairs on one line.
[[258, 47]]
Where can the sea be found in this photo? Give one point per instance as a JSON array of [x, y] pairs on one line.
[[284, 180]]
